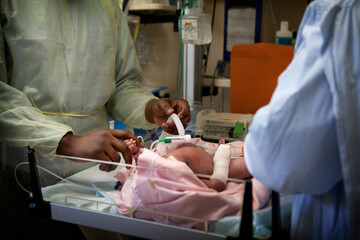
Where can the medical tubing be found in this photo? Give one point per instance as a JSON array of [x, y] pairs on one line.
[[16, 178], [165, 140], [153, 144], [141, 167], [185, 138], [45, 170], [221, 163], [178, 123], [141, 138], [190, 3]]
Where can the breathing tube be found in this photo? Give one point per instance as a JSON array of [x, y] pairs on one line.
[[182, 137]]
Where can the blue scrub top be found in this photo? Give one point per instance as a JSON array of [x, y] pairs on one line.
[[306, 140]]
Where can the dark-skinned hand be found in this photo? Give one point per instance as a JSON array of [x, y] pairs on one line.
[[101, 145], [159, 110]]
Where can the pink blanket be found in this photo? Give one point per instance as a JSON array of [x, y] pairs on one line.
[[170, 186]]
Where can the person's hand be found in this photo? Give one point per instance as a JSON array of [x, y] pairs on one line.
[[101, 145], [159, 110]]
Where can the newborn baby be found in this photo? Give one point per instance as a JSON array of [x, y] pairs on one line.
[[199, 161], [174, 185]]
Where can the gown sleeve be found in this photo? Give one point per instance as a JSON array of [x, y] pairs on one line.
[[292, 145], [128, 102], [21, 124]]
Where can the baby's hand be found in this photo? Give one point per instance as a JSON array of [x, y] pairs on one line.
[[222, 141], [132, 145]]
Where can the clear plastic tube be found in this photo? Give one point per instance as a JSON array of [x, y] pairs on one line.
[[178, 123], [183, 138]]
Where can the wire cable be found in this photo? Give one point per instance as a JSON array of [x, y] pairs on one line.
[[105, 162], [142, 167], [47, 171]]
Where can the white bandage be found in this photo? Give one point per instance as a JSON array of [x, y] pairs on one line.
[[221, 163]]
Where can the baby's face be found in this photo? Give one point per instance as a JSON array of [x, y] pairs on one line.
[[198, 160]]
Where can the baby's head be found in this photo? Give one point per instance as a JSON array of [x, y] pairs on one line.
[[198, 160]]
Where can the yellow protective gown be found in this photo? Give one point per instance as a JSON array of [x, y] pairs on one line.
[[65, 66]]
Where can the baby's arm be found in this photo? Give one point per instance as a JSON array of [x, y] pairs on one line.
[[215, 184], [220, 174], [238, 169]]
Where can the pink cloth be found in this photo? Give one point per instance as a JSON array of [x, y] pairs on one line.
[[170, 186]]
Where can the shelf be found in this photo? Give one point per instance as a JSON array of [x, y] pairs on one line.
[[156, 13], [219, 82], [156, 9]]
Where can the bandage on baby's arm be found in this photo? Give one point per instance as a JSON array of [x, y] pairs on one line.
[[221, 163]]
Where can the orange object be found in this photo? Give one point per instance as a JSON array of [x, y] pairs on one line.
[[254, 70]]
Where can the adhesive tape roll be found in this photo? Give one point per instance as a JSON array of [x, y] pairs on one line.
[[178, 124]]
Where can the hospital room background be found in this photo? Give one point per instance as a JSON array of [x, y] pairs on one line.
[[159, 52], [202, 74], [210, 90]]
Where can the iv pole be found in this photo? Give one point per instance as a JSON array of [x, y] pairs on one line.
[[192, 73]]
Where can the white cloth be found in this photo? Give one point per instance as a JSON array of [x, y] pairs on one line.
[[306, 140]]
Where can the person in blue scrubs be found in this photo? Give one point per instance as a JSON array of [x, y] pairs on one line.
[[306, 140]]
